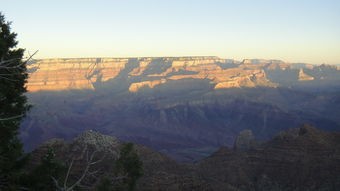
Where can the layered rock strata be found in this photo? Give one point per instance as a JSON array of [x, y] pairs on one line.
[[84, 73]]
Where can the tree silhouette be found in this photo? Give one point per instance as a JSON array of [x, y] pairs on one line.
[[129, 164], [13, 106], [40, 177]]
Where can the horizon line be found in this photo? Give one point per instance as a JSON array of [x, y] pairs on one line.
[[217, 57], [122, 57]]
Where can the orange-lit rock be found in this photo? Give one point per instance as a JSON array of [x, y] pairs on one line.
[[83, 73], [304, 77], [134, 87], [142, 66], [64, 74]]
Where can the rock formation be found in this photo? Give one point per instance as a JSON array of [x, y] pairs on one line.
[[134, 87], [304, 77], [65, 74], [84, 73]]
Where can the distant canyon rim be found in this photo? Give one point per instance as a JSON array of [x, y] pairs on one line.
[[83, 73]]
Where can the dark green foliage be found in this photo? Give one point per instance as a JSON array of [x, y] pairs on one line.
[[13, 106], [127, 169], [105, 184], [129, 164], [40, 177]]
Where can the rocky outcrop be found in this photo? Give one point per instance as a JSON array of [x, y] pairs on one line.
[[135, 87], [253, 78], [304, 77], [97, 141]]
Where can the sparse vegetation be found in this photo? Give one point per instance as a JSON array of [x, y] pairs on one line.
[[40, 178], [89, 169], [129, 166]]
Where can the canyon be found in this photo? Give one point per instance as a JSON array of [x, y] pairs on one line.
[[87, 73], [185, 107]]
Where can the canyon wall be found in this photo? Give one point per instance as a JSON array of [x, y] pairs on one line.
[[84, 73], [63, 74]]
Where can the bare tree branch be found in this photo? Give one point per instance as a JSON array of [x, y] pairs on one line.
[[59, 188], [6, 63], [89, 162], [9, 79], [68, 173], [10, 118]]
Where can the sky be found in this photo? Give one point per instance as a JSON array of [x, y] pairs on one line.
[[291, 30]]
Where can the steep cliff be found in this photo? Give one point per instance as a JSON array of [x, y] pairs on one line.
[[65, 74], [86, 73]]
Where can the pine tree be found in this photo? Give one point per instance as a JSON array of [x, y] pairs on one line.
[[129, 163], [13, 106], [40, 178]]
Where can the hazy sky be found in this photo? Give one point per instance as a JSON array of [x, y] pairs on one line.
[[291, 30]]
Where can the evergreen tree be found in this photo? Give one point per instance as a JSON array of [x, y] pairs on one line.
[[128, 168], [13, 76], [40, 178], [105, 184], [130, 164]]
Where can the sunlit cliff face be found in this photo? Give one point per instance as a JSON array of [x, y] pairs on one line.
[[64, 74], [84, 73]]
